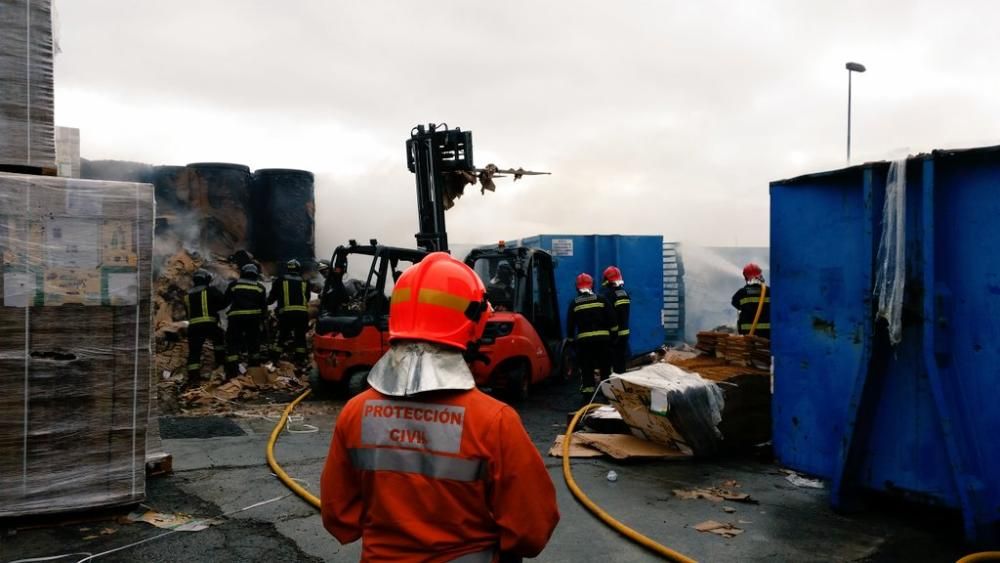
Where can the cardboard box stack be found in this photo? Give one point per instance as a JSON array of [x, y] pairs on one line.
[[75, 342]]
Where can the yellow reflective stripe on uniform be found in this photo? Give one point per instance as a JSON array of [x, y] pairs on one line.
[[248, 287], [754, 300], [622, 302], [625, 332], [748, 326], [205, 317], [244, 312], [442, 299], [588, 306], [284, 285], [590, 333], [295, 308]]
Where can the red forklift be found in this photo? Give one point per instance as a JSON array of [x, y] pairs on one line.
[[352, 331], [523, 342], [523, 339]]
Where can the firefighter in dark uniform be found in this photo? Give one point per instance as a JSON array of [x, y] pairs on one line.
[[619, 300], [588, 325], [247, 305], [203, 303], [748, 299], [291, 293]]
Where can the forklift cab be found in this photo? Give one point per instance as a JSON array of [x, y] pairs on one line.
[[347, 305], [352, 331], [521, 281]]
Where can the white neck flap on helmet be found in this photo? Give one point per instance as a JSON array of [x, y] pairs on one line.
[[418, 367]]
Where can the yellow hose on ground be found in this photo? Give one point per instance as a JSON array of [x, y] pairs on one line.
[[567, 473], [760, 308], [622, 529], [273, 463], [981, 556]]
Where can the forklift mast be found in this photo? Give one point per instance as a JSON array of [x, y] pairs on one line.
[[433, 153]]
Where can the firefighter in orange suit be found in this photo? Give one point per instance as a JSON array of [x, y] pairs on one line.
[[423, 466]]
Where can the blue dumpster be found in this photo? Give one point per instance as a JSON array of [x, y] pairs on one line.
[[916, 418], [641, 261]]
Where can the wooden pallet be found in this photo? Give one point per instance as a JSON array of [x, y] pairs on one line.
[[161, 465]]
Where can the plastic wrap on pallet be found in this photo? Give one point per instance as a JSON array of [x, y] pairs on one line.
[[27, 131], [75, 347], [668, 405]]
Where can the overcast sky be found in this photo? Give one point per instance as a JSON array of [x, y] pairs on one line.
[[661, 117]]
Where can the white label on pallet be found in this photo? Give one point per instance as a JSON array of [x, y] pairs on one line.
[[18, 289], [562, 247]]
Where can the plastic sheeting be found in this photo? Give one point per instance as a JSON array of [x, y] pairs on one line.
[[75, 347], [668, 405], [27, 130], [891, 277]]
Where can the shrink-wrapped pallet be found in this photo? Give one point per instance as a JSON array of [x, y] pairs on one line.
[[27, 128], [75, 348]]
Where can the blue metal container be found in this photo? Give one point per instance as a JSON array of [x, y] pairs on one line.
[[919, 418], [640, 259]]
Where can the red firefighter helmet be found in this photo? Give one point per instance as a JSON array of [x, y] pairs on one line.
[[612, 274], [752, 271], [439, 300], [584, 281]]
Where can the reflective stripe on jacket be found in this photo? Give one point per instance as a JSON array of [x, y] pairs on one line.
[[203, 304], [436, 480], [589, 316], [291, 293], [746, 301], [247, 298], [621, 303]]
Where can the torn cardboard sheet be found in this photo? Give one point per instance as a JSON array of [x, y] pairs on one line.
[[177, 522], [665, 404], [618, 446], [715, 494], [626, 446], [719, 528], [576, 448]]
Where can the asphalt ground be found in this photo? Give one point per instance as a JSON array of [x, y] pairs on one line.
[[219, 469]]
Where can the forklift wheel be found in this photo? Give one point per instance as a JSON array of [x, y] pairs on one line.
[[357, 383], [518, 384], [322, 389]]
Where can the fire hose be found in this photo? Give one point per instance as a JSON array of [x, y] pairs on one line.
[[590, 505], [760, 308]]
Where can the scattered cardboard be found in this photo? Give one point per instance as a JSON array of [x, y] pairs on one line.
[[627, 446], [576, 448], [258, 375], [723, 529], [715, 494], [178, 522]]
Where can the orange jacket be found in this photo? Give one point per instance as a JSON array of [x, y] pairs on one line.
[[435, 478]]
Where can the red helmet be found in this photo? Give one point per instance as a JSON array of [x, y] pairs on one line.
[[612, 274], [752, 271], [439, 300], [584, 281]]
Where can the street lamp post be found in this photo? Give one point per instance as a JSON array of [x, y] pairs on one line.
[[851, 68]]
